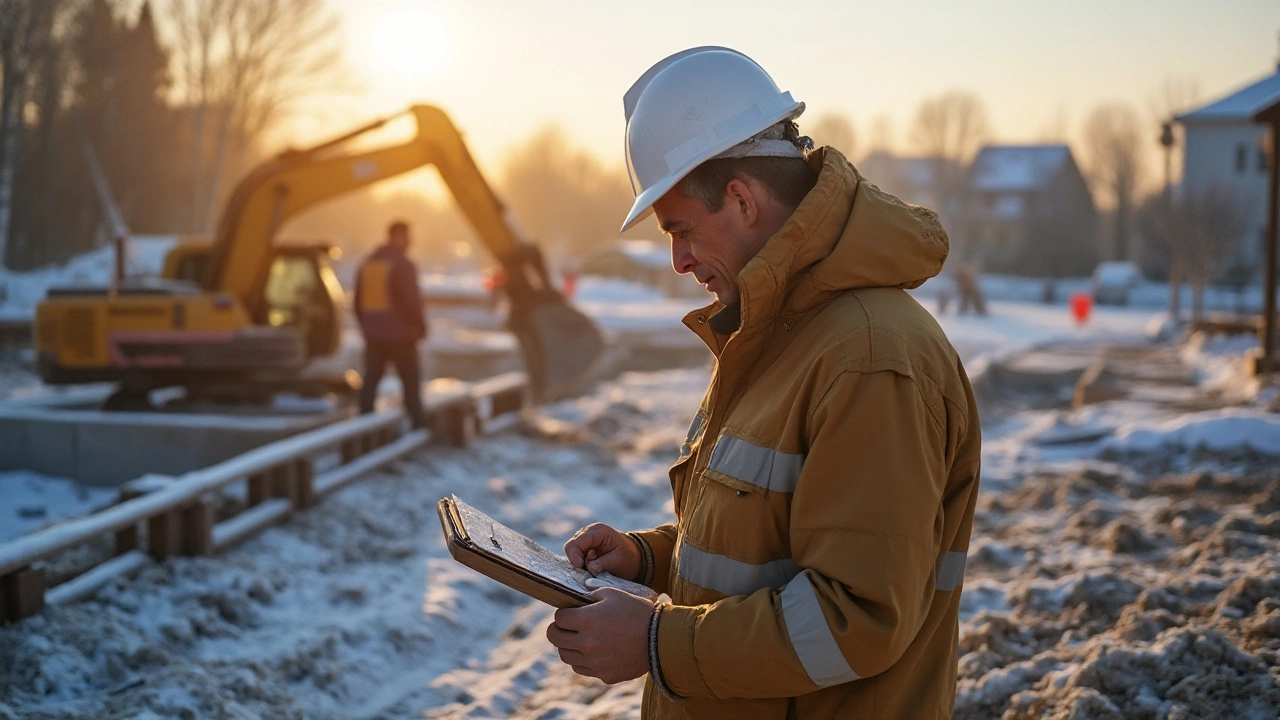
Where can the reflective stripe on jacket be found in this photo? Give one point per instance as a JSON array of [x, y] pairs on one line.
[[825, 493], [388, 302]]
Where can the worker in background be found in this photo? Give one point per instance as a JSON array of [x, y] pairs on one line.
[[825, 491], [969, 287], [389, 307]]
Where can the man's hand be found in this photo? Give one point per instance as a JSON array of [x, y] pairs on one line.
[[606, 639], [600, 548]]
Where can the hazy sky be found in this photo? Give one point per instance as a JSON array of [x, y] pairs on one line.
[[504, 68]]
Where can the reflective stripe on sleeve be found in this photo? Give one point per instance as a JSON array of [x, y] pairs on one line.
[[761, 466], [950, 571], [732, 577], [811, 636]]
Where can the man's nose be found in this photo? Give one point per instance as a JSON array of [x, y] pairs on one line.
[[681, 259]]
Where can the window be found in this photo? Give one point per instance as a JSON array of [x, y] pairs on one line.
[[1242, 158], [291, 285]]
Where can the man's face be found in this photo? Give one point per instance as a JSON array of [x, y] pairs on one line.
[[714, 247], [399, 239]]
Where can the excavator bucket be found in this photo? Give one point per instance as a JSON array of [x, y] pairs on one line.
[[560, 346]]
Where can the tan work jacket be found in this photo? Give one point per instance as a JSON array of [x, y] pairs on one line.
[[825, 495]]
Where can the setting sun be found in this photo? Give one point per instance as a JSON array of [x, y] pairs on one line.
[[406, 38]]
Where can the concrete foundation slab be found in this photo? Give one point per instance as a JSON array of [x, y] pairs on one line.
[[109, 448]]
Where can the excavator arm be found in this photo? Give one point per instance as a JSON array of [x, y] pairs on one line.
[[560, 346]]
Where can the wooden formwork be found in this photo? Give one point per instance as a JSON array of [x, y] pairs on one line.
[[158, 520]]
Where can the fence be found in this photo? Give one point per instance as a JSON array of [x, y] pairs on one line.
[[275, 481]]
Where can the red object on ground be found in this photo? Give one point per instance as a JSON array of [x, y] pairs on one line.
[[1081, 306]]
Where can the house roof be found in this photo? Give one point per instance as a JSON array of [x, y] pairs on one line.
[[1239, 106], [1017, 168]]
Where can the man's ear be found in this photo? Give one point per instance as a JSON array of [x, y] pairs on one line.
[[742, 199]]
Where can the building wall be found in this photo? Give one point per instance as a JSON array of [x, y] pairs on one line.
[[1211, 156]]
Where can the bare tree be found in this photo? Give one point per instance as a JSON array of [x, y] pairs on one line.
[[1115, 147], [240, 65], [1215, 219], [881, 135], [835, 130], [563, 195], [1200, 231], [23, 24], [950, 129]]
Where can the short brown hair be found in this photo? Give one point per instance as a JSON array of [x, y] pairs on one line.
[[787, 179], [397, 226]]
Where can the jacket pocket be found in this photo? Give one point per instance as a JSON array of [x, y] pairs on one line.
[[749, 466]]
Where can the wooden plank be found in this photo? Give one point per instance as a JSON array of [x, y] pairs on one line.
[[257, 489], [461, 428], [162, 536], [88, 583], [196, 522], [126, 540], [304, 483], [42, 543], [22, 593], [284, 483]]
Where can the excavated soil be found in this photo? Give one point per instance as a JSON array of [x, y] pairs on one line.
[[1101, 594]]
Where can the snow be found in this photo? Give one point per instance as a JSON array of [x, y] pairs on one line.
[[1218, 430], [1238, 106], [646, 252], [33, 500], [23, 290], [622, 306], [1123, 561]]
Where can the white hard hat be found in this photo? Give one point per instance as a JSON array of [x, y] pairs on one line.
[[691, 107]]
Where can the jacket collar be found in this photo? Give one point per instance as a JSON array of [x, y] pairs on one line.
[[845, 234]]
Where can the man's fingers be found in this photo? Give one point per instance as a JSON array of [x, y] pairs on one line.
[[573, 619], [591, 542], [561, 638], [573, 552], [572, 657]]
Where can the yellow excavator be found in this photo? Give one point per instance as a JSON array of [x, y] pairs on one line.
[[244, 311]]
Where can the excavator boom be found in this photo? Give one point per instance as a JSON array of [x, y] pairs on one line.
[[560, 346]]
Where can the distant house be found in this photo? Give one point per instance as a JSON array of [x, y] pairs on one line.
[[1224, 148], [1030, 212]]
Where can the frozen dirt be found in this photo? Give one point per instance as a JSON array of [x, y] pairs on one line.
[[1125, 564]]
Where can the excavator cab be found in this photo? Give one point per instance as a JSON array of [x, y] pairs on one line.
[[301, 292]]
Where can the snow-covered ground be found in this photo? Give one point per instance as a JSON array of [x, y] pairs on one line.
[[1124, 563]]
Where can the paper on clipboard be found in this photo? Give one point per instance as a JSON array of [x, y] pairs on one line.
[[489, 547]]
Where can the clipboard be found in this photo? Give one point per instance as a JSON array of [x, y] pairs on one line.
[[492, 549]]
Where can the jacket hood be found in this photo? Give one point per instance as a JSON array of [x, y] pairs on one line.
[[846, 234]]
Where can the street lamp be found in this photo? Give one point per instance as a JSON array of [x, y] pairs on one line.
[[1166, 141], [1175, 252]]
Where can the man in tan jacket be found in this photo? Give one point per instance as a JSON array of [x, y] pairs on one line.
[[825, 492]]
